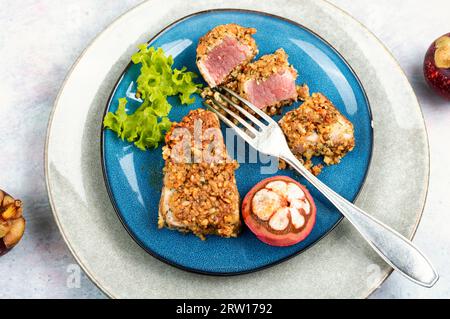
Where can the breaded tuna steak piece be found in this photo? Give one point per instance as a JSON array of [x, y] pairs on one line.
[[223, 51], [199, 194], [317, 128], [269, 83]]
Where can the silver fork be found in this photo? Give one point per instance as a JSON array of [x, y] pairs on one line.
[[269, 139]]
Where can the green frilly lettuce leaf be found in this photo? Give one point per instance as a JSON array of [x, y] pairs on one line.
[[158, 80]]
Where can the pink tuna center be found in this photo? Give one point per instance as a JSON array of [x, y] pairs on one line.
[[224, 58], [278, 87]]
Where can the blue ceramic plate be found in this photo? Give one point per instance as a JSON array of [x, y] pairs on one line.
[[134, 178]]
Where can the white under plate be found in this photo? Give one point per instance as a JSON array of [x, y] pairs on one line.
[[341, 265]]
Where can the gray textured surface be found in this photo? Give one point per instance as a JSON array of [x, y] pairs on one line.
[[40, 40], [104, 249]]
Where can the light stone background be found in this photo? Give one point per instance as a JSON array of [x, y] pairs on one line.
[[41, 39]]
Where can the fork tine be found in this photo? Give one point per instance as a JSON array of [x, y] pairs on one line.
[[237, 117], [242, 110], [227, 121], [251, 106]]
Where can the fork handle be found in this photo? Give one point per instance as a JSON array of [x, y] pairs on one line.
[[395, 249]]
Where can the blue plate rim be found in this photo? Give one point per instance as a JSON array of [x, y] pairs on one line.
[[103, 160]]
